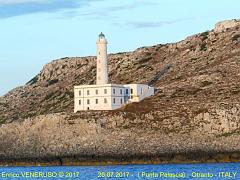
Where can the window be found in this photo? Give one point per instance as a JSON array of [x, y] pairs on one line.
[[126, 91], [96, 101], [114, 91], [79, 102], [131, 97], [80, 93], [105, 100], [114, 100], [120, 91], [88, 101], [121, 101], [96, 91], [141, 91], [88, 93], [99, 52], [105, 91], [131, 91]]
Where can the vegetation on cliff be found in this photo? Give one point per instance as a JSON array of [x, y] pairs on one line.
[[197, 94]]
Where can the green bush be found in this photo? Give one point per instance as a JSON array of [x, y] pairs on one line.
[[203, 47], [51, 82], [33, 80], [70, 94], [204, 35], [2, 120]]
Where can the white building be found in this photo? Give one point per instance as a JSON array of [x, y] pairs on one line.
[[105, 96]]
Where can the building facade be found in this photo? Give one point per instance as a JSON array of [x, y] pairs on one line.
[[103, 95], [99, 97]]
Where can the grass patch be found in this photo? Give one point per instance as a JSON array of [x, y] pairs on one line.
[[125, 126], [2, 120]]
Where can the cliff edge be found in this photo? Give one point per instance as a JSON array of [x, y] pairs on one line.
[[194, 116]]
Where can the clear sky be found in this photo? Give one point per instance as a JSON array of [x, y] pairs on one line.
[[34, 32]]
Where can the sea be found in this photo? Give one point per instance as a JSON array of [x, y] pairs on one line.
[[128, 172]]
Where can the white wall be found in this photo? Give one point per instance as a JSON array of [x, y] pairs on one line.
[[139, 92], [92, 96], [102, 63], [114, 91], [118, 96]]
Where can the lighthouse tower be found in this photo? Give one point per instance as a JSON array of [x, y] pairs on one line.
[[105, 95], [102, 64]]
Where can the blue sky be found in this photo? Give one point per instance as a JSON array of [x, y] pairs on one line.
[[34, 32]]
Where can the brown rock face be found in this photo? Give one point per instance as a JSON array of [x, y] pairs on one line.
[[224, 25], [196, 106]]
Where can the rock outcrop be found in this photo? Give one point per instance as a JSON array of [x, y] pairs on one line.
[[61, 136], [195, 109], [222, 26]]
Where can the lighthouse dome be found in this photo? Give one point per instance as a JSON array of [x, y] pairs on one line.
[[101, 38], [101, 35]]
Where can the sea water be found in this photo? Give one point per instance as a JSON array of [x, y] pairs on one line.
[[130, 172]]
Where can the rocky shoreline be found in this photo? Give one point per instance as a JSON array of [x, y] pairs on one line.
[[193, 117], [54, 140], [189, 158]]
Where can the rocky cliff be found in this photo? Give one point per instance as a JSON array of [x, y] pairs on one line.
[[194, 115]]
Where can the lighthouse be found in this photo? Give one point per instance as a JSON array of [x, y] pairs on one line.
[[105, 95], [102, 64]]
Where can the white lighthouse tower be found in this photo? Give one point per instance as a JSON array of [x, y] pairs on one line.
[[105, 95], [102, 64]]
